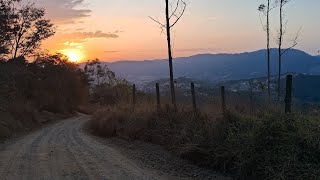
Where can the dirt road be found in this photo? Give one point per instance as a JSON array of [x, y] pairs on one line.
[[64, 151]]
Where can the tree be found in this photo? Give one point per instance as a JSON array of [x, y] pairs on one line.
[[174, 16], [5, 28], [265, 10], [281, 52], [101, 74], [24, 28], [50, 83], [106, 88], [57, 84]]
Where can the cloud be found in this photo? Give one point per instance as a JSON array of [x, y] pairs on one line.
[[77, 39], [64, 11], [73, 44], [118, 31], [83, 36], [111, 51]]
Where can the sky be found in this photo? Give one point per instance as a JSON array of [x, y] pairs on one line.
[[113, 30]]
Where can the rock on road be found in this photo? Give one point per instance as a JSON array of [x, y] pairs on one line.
[[64, 151]]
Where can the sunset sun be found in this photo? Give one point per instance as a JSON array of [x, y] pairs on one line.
[[73, 55]]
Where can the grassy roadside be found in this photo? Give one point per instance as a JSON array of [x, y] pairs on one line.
[[264, 145], [21, 118]]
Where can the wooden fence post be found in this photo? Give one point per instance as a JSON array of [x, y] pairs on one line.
[[158, 96], [133, 96], [193, 93], [288, 98], [223, 101]]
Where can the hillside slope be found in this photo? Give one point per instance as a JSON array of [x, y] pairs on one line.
[[218, 67]]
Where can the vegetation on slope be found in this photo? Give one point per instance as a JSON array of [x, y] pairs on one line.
[[33, 93], [263, 145]]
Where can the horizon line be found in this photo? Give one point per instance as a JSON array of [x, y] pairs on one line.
[[164, 59]]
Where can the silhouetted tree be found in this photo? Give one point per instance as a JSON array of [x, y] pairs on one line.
[[281, 4], [175, 15], [50, 83], [265, 9], [6, 19], [106, 88], [100, 73], [23, 28], [59, 85]]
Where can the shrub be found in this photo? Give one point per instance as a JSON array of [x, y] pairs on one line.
[[164, 127], [270, 146], [264, 145]]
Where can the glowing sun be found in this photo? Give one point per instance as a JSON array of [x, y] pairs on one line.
[[73, 55]]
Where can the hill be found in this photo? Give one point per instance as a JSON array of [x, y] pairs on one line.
[[215, 68]]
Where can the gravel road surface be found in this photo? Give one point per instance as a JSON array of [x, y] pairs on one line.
[[65, 151]]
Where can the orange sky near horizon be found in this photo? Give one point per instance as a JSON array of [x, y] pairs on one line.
[[121, 30]]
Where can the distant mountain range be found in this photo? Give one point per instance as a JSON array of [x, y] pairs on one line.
[[215, 68]]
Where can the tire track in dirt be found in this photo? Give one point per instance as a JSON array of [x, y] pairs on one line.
[[64, 151]]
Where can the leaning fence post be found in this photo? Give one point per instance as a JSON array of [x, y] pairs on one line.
[[288, 98], [158, 96], [193, 93], [223, 100], [133, 96]]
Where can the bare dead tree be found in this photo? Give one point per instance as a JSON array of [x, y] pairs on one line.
[[281, 52], [265, 10], [173, 16]]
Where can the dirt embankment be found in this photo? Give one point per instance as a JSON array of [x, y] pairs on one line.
[[23, 119]]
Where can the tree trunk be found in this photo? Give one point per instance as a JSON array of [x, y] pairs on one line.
[[16, 49], [268, 48], [17, 43], [279, 50], [168, 28]]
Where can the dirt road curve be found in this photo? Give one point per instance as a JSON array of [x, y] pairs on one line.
[[64, 151]]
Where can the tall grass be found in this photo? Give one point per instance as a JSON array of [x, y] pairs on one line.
[[260, 144], [166, 126], [270, 146]]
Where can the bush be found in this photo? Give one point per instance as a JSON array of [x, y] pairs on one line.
[[111, 94], [51, 83], [32, 93], [19, 118], [270, 146], [164, 127]]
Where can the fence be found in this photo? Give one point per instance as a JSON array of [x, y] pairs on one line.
[[223, 102]]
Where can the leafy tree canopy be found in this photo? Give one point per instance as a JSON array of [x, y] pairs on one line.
[[22, 28]]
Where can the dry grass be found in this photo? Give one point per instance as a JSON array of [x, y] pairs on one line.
[[165, 127], [249, 143], [270, 146]]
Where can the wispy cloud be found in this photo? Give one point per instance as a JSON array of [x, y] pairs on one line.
[[111, 51], [64, 11], [91, 35], [78, 39]]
